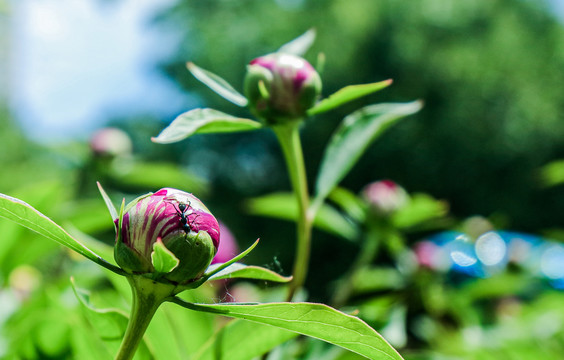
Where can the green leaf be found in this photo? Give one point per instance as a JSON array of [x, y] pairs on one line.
[[203, 121], [420, 208], [347, 94], [110, 322], [156, 175], [552, 174], [164, 261], [284, 206], [242, 271], [103, 250], [108, 201], [300, 45], [216, 268], [314, 320], [351, 204], [357, 131], [242, 340], [25, 215], [217, 84]]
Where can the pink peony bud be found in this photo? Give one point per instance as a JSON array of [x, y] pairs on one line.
[[281, 87], [384, 197], [111, 142], [178, 219], [228, 248]]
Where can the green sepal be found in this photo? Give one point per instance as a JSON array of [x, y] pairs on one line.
[[130, 260], [162, 258], [194, 252]]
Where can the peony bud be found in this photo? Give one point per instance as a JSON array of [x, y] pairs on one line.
[[281, 87], [111, 142], [384, 197], [178, 219], [228, 247]]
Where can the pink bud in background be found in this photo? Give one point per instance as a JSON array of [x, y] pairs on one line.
[[384, 197], [111, 142], [228, 248]]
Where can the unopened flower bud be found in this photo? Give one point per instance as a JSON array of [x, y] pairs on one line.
[[178, 219], [384, 197], [111, 142], [281, 87], [228, 247]]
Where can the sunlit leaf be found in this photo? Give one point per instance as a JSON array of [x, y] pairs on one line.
[[346, 94], [300, 45], [357, 131], [203, 121], [25, 215], [216, 268], [314, 320], [242, 340], [217, 84], [242, 271], [284, 206]]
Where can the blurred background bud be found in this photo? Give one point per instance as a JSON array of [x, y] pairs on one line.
[[111, 142], [384, 197], [281, 87], [228, 247]]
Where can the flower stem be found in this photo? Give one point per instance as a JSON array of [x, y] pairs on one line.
[[147, 296], [376, 234], [289, 138]]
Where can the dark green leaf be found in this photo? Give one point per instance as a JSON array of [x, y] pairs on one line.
[[242, 271], [203, 121], [351, 140], [25, 215], [300, 45], [284, 206], [217, 84], [347, 94], [314, 320]]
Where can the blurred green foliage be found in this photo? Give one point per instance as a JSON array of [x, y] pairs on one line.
[[489, 72]]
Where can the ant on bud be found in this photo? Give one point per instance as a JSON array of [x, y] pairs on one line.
[[181, 211]]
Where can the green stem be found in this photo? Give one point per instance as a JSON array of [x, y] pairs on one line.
[[289, 137], [147, 296], [376, 234]]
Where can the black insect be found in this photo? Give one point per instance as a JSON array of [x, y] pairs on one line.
[[181, 212]]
